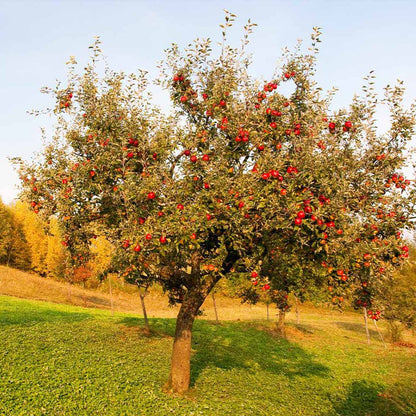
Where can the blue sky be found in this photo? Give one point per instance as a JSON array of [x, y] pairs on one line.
[[37, 37]]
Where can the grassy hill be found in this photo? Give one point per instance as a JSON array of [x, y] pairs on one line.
[[67, 360], [62, 359]]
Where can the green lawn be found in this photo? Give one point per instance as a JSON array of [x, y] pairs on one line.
[[62, 360]]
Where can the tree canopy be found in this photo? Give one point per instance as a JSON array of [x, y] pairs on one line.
[[239, 178]]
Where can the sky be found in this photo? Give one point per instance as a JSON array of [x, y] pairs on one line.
[[37, 37]]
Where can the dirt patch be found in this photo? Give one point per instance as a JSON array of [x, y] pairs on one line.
[[404, 344]]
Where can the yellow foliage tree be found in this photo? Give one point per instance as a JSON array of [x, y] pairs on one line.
[[56, 257], [102, 253], [35, 235]]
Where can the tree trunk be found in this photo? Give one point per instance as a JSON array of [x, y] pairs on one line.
[[366, 325], [281, 323], [215, 307], [180, 372], [142, 294], [297, 310]]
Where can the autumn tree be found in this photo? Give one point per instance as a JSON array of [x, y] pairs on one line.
[[395, 301], [14, 250], [35, 234], [237, 173]]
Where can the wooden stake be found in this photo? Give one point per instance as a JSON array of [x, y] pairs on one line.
[[379, 333], [215, 308], [297, 310], [366, 325], [111, 295]]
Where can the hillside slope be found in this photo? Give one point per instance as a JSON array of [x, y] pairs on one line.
[[30, 286], [66, 360]]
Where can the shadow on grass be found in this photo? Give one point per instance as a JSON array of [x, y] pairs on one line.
[[305, 329], [159, 327], [96, 300], [365, 399], [30, 316], [356, 327], [238, 345]]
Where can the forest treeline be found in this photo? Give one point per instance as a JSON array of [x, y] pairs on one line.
[[28, 243]]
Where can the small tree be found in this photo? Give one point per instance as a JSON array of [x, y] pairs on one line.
[[397, 300]]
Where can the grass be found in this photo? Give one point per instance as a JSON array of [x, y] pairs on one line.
[[67, 360]]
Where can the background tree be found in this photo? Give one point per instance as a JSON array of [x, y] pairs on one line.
[[396, 302], [35, 234], [57, 255], [14, 249]]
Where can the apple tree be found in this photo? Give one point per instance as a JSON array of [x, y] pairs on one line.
[[238, 178]]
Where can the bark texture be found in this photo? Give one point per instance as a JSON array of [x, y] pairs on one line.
[[198, 289], [180, 372]]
